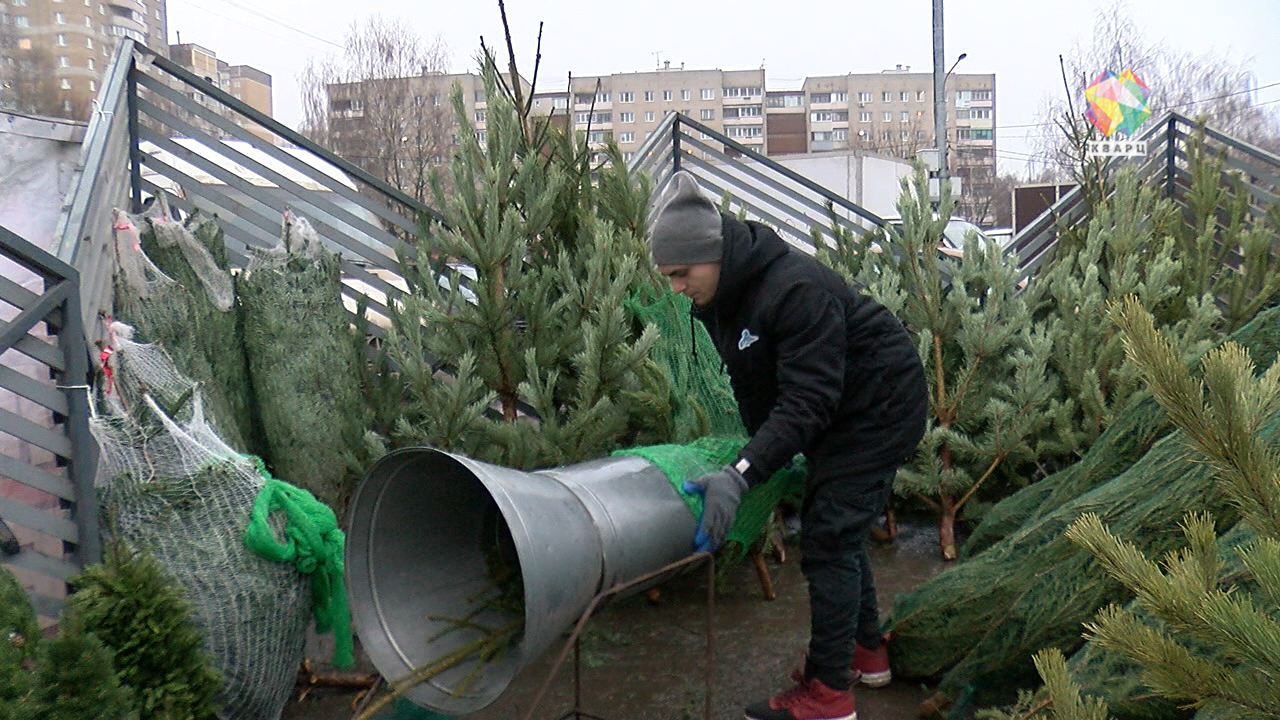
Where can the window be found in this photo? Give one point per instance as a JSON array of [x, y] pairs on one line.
[[19, 3], [864, 97], [819, 98], [904, 96], [60, 40], [787, 100], [886, 96], [885, 135], [744, 131], [63, 62], [25, 43], [436, 100], [581, 118], [626, 137], [602, 97], [626, 117], [648, 116], [59, 19], [742, 111], [864, 117], [88, 21], [480, 116], [841, 134], [904, 116], [88, 42], [973, 133], [666, 95], [648, 96], [820, 116], [981, 95], [93, 86], [707, 114], [886, 116], [583, 98], [839, 97], [904, 135], [919, 96], [479, 96], [708, 94], [740, 92], [626, 156], [684, 94], [600, 136], [481, 136], [626, 97], [819, 137], [65, 84], [21, 21]]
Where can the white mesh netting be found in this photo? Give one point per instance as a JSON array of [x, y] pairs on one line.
[[168, 485]]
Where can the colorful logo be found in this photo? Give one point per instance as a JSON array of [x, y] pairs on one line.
[[1117, 103]]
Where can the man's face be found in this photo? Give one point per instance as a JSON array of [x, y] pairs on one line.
[[698, 282]]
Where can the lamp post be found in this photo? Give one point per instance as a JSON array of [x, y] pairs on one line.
[[940, 118]]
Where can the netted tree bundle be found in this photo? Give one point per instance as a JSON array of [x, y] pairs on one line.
[[701, 399], [1124, 442], [303, 363], [173, 288], [195, 255], [977, 624], [172, 489], [686, 462]]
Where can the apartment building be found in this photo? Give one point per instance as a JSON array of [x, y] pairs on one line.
[[626, 107], [60, 48], [243, 82], [891, 112], [888, 112]]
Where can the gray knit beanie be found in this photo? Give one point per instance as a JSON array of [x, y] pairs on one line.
[[686, 225]]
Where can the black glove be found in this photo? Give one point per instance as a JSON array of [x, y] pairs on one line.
[[721, 492]]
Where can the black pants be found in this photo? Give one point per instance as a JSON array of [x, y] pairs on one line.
[[834, 524]]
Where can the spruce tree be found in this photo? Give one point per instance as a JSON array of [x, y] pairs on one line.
[[541, 249], [992, 402]]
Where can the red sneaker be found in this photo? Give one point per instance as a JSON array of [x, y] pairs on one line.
[[808, 700], [871, 667]]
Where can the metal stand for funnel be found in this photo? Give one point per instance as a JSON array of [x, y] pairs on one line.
[[572, 643]]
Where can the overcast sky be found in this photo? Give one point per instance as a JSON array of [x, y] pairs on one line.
[[1018, 40]]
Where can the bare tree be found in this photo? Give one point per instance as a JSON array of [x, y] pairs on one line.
[[383, 104], [8, 61], [1205, 86], [35, 90]]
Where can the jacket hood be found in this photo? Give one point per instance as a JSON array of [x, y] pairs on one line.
[[749, 248]]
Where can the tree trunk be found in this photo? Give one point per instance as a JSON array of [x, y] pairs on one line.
[[947, 528]]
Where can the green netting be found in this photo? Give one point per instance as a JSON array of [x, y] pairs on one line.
[[701, 400], [686, 462], [978, 623], [1124, 442]]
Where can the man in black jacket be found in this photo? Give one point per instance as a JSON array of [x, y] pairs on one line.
[[817, 368]]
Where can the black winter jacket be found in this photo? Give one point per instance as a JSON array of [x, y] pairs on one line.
[[816, 366]]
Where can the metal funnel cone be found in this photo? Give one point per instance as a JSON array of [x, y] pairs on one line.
[[428, 528]]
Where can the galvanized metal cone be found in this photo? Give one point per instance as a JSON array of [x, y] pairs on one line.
[[420, 525]]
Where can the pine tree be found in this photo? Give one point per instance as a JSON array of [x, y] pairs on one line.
[[991, 397], [1127, 249], [75, 678], [541, 250], [1225, 244], [1214, 642]]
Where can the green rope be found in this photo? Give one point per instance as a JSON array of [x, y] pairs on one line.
[[313, 543]]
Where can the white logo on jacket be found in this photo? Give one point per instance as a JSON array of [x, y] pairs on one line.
[[747, 339]]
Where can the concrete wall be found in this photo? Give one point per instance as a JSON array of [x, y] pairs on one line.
[[868, 180]]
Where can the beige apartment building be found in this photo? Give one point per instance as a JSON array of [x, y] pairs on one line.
[[60, 48], [243, 82]]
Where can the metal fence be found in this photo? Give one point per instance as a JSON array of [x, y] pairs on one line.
[[48, 515], [792, 204]]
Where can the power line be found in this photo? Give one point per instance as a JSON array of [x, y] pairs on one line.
[[268, 18]]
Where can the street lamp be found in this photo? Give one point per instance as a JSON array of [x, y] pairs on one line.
[[940, 120]]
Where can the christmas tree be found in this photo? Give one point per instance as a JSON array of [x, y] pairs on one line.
[[540, 249], [991, 397]]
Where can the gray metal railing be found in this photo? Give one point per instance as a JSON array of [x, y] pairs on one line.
[[766, 190], [46, 494]]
